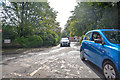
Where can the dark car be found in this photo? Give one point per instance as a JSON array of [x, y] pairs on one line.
[[102, 47]]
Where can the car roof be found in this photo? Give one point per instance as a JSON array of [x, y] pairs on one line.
[[106, 30], [64, 38]]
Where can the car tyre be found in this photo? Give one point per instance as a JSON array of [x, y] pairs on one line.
[[60, 45], [109, 71], [82, 55], [69, 45]]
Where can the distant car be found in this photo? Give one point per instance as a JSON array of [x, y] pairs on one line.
[[102, 47], [64, 42]]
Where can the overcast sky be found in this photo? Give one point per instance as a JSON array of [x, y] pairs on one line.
[[63, 7]]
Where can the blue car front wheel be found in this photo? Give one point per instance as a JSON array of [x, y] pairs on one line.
[[110, 71], [82, 55]]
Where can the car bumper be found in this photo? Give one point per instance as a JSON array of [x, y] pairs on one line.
[[65, 44]]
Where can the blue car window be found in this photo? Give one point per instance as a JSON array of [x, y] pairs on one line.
[[112, 36], [96, 35], [87, 37]]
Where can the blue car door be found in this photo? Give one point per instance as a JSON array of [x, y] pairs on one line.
[[86, 46], [97, 49]]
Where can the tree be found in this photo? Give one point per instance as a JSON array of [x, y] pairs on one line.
[[28, 19], [91, 15]]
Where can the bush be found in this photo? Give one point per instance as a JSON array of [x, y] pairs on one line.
[[50, 38], [9, 32], [81, 38], [30, 41]]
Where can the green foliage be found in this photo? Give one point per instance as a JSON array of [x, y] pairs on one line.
[[30, 24], [50, 38], [30, 41], [92, 15], [82, 38], [9, 32]]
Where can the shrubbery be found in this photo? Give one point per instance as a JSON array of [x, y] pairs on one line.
[[30, 41], [50, 38], [81, 38], [33, 39], [9, 32]]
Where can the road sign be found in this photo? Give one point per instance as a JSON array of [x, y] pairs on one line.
[[7, 41]]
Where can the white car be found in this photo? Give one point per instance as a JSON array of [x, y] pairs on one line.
[[64, 42]]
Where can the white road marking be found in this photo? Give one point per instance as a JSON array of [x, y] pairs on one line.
[[35, 71]]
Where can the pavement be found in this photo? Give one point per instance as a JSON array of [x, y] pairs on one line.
[[53, 62]]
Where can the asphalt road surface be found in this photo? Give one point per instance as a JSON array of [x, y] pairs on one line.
[[54, 62]]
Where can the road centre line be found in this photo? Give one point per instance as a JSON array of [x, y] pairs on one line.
[[34, 72]]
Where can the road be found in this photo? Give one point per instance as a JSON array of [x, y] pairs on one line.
[[54, 62]]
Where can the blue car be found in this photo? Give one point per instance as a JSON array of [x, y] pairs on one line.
[[102, 47]]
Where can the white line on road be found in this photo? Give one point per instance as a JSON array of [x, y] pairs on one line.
[[35, 71]]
